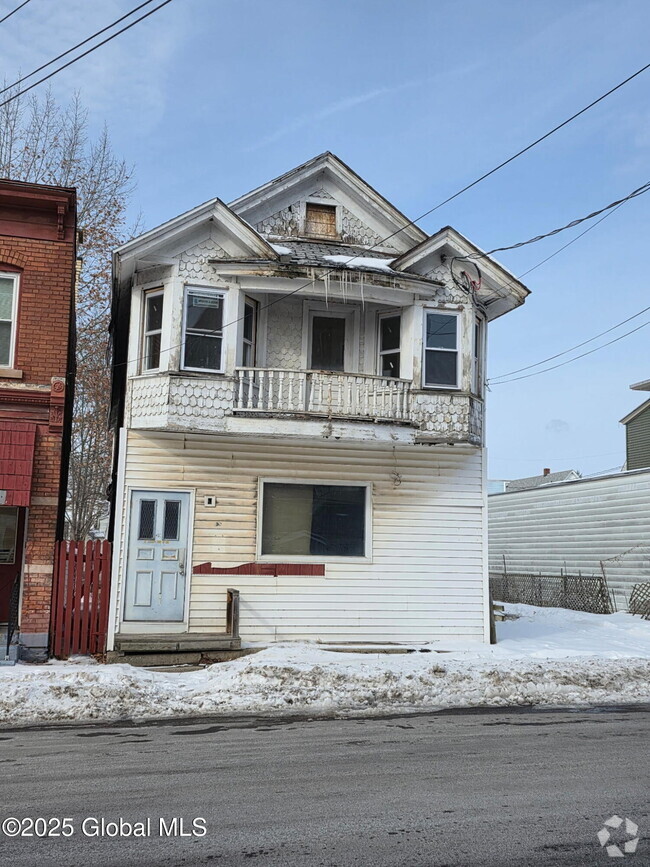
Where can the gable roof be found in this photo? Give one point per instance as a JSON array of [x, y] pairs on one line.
[[537, 481], [500, 290], [150, 243], [328, 165], [636, 412]]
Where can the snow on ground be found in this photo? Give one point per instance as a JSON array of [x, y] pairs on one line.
[[547, 656]]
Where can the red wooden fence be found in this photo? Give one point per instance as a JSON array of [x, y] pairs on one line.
[[82, 581]]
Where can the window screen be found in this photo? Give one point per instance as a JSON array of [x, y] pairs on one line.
[[147, 525], [171, 519], [320, 520]]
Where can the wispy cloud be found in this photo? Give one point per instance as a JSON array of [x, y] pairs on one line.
[[337, 107]]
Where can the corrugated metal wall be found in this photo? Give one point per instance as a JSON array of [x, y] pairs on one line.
[[638, 441], [426, 576], [575, 525]]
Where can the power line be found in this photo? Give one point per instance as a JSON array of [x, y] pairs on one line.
[[570, 360], [526, 149], [644, 188], [577, 346], [13, 11], [83, 54], [74, 47]]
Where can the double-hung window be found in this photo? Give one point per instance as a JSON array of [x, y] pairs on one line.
[[314, 519], [8, 304], [153, 315], [389, 344], [249, 336], [477, 357], [441, 355], [203, 330]]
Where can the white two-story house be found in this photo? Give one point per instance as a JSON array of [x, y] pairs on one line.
[[299, 408]]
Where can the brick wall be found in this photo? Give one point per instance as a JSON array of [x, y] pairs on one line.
[[46, 266]]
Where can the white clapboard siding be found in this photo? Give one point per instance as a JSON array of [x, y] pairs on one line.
[[575, 527], [426, 577]]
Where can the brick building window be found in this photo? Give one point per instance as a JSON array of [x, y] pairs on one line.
[[320, 220], [8, 299]]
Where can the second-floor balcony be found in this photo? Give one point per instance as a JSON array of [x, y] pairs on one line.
[[321, 393], [224, 404]]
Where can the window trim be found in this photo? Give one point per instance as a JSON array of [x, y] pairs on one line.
[[386, 314], [12, 275], [201, 290], [312, 558], [459, 372]]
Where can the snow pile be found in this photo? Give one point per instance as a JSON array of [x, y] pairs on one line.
[[547, 656], [361, 262], [281, 250]]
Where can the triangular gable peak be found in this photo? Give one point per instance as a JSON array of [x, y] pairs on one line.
[[498, 289], [636, 412], [211, 230], [278, 209]]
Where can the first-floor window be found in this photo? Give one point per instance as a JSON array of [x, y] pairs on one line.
[[441, 363], [203, 334], [321, 520], [8, 292]]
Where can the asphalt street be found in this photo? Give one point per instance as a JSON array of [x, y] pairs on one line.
[[488, 788]]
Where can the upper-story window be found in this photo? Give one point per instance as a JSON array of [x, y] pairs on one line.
[[203, 330], [441, 356], [8, 305], [249, 336], [320, 220], [152, 330], [477, 357], [389, 344]]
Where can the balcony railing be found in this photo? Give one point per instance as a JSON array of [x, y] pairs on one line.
[[314, 392]]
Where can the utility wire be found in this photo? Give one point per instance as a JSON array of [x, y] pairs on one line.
[[13, 11], [566, 351], [74, 47], [83, 54], [570, 360], [526, 149], [644, 188]]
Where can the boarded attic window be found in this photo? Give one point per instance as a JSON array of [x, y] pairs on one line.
[[320, 220]]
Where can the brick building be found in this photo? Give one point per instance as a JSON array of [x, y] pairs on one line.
[[37, 279]]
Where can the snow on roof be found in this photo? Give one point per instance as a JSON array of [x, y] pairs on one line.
[[282, 250], [361, 262]]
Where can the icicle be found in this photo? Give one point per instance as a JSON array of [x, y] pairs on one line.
[[326, 281], [363, 300]]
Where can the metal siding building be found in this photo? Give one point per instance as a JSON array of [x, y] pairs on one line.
[[573, 527]]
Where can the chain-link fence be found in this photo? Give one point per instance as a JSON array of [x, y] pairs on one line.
[[640, 600], [577, 592]]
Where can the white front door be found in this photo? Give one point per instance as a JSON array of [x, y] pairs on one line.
[[156, 572]]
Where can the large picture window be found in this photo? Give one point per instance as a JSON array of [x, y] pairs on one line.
[[202, 333], [441, 363], [320, 520], [8, 293]]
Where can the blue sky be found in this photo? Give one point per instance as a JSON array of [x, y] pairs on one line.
[[213, 97]]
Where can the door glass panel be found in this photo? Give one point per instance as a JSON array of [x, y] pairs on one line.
[[390, 332], [172, 519], [327, 343], [390, 364], [8, 529], [147, 519]]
